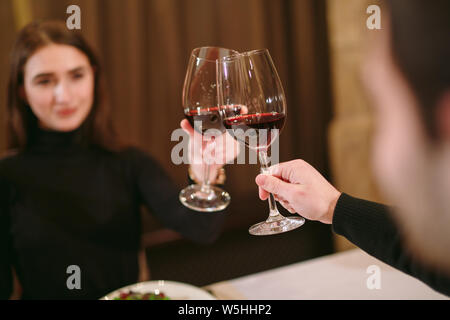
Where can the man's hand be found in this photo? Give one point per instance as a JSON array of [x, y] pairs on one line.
[[300, 188]]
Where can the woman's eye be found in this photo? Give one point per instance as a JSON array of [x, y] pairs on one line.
[[43, 82], [77, 76]]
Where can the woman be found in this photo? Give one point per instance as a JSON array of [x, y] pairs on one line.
[[407, 74], [71, 193]]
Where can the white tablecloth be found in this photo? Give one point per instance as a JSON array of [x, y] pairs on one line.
[[338, 276]]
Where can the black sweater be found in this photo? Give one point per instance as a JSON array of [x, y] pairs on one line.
[[369, 226], [63, 204]]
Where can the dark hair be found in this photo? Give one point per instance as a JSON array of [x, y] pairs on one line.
[[420, 31], [97, 128]]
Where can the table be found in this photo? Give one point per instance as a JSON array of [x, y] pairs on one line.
[[351, 274]]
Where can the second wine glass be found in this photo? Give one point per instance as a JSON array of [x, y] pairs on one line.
[[251, 81]]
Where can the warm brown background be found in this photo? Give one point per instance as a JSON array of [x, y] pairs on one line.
[[317, 46], [350, 131], [145, 46]]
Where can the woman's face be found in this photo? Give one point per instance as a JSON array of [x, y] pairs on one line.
[[59, 86]]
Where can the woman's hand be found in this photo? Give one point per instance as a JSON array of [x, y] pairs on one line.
[[300, 188], [224, 149]]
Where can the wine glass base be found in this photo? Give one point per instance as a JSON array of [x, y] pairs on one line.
[[275, 227], [194, 198]]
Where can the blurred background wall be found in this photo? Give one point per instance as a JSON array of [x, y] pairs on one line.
[[350, 130], [144, 46]]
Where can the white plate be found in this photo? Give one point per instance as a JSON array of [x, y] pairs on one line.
[[173, 290]]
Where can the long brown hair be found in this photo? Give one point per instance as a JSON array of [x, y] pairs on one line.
[[97, 128]]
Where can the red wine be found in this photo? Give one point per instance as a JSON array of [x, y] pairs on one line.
[[255, 126], [202, 119]]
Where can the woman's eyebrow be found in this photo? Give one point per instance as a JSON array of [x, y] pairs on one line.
[[48, 74], [77, 69], [44, 74]]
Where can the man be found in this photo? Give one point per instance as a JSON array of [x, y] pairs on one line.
[[407, 74]]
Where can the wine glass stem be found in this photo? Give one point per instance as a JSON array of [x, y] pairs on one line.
[[274, 214], [206, 169], [205, 182]]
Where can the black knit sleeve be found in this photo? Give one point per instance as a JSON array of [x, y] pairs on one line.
[[159, 193], [370, 226], [5, 243]]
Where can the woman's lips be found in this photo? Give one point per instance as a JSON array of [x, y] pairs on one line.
[[66, 112]]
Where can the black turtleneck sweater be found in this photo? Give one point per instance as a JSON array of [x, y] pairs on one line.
[[62, 204]]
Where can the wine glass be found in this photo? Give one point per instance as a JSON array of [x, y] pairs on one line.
[[201, 109], [251, 80]]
